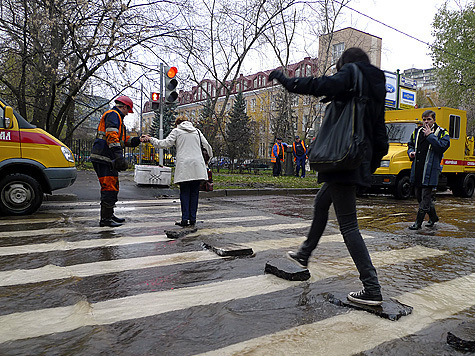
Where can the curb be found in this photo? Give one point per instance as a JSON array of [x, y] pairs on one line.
[[215, 193]]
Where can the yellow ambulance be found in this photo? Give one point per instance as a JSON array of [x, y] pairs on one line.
[[32, 162], [458, 173]]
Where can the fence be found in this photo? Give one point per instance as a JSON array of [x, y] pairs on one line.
[[82, 153]]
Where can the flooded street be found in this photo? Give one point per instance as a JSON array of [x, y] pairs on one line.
[[69, 287]]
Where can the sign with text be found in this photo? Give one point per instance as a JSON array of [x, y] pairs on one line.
[[391, 92], [407, 98]]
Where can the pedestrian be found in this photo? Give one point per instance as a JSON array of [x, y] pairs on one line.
[[300, 155], [426, 149], [190, 167], [278, 156], [339, 188], [107, 156]]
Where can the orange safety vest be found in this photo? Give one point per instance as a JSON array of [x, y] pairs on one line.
[[295, 151], [273, 158]]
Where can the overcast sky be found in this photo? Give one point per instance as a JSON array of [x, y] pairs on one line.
[[413, 17]]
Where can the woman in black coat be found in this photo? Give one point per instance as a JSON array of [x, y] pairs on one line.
[[339, 188]]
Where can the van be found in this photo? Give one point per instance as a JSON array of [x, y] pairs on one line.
[[458, 172], [32, 163]]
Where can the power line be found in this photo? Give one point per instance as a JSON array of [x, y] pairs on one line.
[[405, 34]]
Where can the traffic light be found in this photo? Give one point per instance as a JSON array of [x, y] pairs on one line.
[[154, 98], [170, 84]]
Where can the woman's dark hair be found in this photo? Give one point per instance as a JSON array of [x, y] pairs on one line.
[[180, 119], [353, 54]]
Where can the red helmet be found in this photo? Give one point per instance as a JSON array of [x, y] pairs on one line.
[[126, 101]]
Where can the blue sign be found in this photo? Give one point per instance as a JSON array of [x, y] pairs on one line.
[[408, 96], [390, 88]]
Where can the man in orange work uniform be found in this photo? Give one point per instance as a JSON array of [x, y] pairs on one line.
[[107, 156], [277, 156]]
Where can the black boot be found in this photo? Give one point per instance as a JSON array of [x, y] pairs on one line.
[[420, 218], [433, 218], [106, 217], [117, 219]]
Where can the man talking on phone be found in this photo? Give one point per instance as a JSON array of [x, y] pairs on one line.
[[426, 149]]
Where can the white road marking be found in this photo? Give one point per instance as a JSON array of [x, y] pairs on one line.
[[23, 325], [362, 331]]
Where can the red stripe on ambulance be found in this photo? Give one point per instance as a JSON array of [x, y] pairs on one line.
[[38, 138]]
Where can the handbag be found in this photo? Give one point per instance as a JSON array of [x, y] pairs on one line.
[[204, 151], [207, 185], [340, 143]]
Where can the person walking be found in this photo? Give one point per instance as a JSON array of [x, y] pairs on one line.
[[190, 167], [426, 149], [278, 156], [107, 156], [300, 156], [339, 188]]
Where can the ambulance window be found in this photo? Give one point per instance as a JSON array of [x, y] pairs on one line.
[[2, 112], [454, 126]]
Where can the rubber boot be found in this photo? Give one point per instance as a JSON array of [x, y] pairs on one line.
[[116, 218], [433, 218], [106, 217], [420, 218]]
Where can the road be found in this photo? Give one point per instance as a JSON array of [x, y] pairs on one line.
[[70, 287]]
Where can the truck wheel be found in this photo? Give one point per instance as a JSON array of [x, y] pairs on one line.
[[20, 194], [465, 186], [402, 189]]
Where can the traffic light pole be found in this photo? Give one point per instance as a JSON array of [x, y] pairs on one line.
[[161, 100]]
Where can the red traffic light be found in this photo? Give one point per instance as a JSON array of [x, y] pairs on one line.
[[171, 72], [155, 96]]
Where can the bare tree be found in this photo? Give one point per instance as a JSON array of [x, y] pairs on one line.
[[224, 33], [53, 50]]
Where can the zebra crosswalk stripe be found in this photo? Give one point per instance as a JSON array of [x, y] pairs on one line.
[[359, 325], [52, 320]]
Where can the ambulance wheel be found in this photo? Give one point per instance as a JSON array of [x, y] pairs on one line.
[[20, 194]]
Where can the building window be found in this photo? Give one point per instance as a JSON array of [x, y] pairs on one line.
[[304, 123], [338, 49], [295, 100], [253, 104]]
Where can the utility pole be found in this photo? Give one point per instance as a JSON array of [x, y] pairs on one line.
[[162, 103]]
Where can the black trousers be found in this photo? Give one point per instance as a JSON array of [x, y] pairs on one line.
[[277, 168], [425, 198], [343, 198]]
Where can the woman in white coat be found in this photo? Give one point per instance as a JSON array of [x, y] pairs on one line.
[[190, 167]]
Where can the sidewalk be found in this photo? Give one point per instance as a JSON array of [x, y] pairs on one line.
[[87, 187]]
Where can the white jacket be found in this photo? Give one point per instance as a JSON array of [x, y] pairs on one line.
[[189, 163]]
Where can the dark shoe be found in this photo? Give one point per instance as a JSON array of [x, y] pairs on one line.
[[109, 222], [182, 223], [117, 220], [294, 256], [433, 218], [192, 222], [362, 297], [420, 218], [415, 226]]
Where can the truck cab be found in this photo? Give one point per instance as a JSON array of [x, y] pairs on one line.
[[458, 172], [32, 162]]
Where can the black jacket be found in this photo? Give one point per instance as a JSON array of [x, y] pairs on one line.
[[337, 87]]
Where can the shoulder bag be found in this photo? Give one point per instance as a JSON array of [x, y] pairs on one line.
[[340, 144], [204, 151]]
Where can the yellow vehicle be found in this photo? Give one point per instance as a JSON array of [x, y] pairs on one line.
[[32, 162], [458, 171]]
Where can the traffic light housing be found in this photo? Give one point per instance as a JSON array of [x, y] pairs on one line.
[[155, 100], [170, 84]]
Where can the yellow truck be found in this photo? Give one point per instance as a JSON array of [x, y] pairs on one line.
[[32, 162], [458, 173]]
